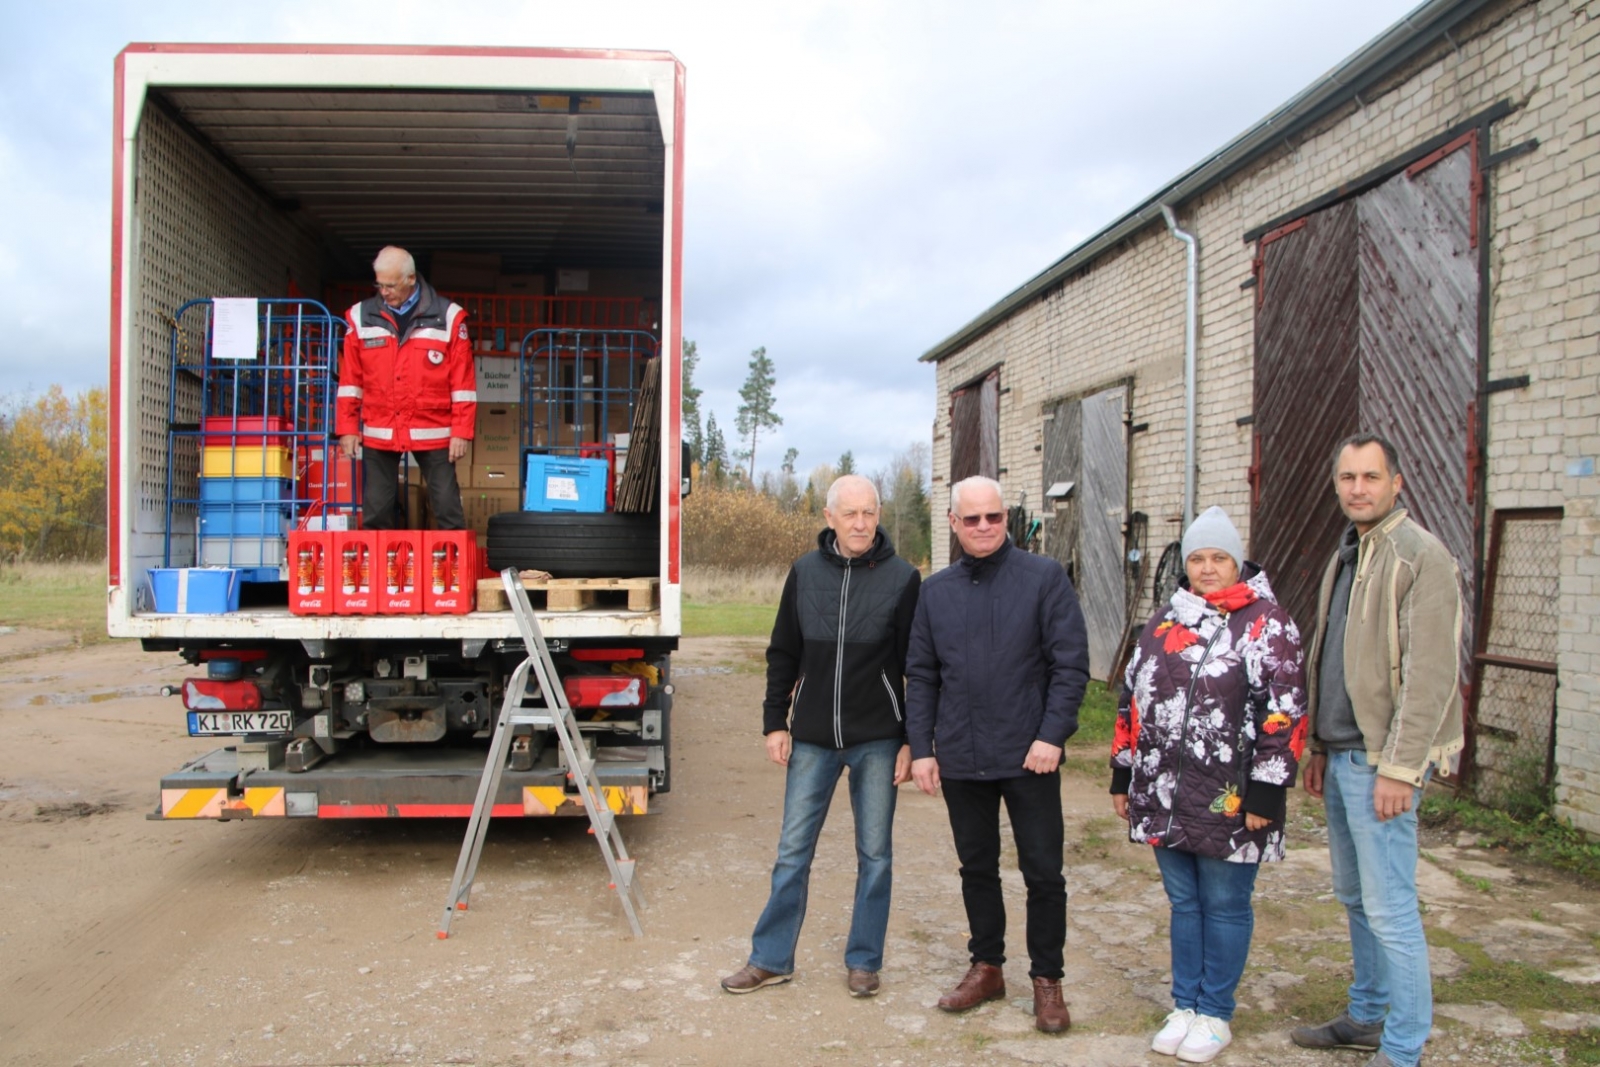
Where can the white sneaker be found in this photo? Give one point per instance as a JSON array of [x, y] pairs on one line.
[[1171, 1035], [1206, 1038]]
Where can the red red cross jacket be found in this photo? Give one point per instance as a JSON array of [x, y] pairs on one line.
[[408, 394]]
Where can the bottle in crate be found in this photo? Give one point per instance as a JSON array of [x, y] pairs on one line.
[[311, 579], [357, 552], [452, 586], [400, 553]]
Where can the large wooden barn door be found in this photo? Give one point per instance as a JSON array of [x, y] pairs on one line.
[[1086, 443], [1305, 399], [1367, 321], [974, 434]]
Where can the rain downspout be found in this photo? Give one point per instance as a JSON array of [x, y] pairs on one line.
[[1191, 299]]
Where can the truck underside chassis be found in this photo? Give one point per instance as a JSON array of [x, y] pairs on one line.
[[357, 729]]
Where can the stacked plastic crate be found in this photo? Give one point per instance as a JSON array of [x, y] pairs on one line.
[[246, 493]]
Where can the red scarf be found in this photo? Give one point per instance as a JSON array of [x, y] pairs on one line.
[[1232, 598]]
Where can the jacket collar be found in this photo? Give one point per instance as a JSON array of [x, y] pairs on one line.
[[981, 566], [882, 548]]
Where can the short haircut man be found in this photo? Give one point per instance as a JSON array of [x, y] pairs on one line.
[[1383, 680], [995, 673], [835, 690], [406, 384]]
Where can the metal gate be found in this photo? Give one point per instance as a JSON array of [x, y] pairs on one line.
[[1085, 443], [1368, 320], [1511, 732]]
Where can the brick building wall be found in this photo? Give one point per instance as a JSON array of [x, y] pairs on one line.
[[1122, 316]]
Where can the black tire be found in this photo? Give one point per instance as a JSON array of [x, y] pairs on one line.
[[604, 544], [1169, 572]]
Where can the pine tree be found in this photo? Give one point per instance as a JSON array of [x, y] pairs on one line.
[[846, 465], [716, 450], [693, 435], [756, 413]]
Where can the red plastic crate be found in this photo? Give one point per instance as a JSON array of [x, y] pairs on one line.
[[228, 431], [449, 559], [355, 560], [312, 572], [400, 558], [335, 483]]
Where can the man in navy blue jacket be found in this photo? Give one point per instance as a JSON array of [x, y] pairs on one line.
[[995, 672]]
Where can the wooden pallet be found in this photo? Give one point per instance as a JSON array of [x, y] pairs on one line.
[[576, 594]]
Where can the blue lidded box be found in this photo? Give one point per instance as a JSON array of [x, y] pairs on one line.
[[562, 483], [195, 590]]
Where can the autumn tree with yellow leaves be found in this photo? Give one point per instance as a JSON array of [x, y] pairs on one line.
[[53, 476]]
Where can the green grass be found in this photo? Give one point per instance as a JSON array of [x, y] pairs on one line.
[[66, 597], [728, 620], [1541, 836], [1097, 720]]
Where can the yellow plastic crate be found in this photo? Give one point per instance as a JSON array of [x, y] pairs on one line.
[[251, 461]]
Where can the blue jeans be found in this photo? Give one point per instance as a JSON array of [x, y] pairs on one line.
[[1211, 926], [1375, 878], [813, 773]]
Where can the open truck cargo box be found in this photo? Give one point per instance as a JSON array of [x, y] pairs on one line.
[[276, 173]]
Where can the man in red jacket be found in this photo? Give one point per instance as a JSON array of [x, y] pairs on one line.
[[406, 384]]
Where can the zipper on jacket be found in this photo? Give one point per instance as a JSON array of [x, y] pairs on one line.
[[1183, 730], [893, 703], [794, 703], [838, 659]]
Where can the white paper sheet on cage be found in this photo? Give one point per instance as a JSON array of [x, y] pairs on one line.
[[233, 328]]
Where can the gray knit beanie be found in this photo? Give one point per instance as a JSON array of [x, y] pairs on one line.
[[1213, 529]]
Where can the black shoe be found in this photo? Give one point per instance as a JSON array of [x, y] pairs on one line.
[[1343, 1032]]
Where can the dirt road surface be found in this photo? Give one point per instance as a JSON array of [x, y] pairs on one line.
[[125, 941]]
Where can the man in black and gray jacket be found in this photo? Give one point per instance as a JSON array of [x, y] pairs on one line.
[[835, 700]]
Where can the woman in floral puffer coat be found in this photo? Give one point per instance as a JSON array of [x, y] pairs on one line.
[[1209, 732]]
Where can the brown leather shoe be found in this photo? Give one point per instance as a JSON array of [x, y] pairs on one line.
[[749, 978], [862, 983], [1049, 1010], [983, 981]]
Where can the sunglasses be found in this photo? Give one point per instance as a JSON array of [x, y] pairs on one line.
[[994, 518]]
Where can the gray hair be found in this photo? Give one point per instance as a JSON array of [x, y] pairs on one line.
[[833, 490], [975, 482], [1391, 457], [394, 257]]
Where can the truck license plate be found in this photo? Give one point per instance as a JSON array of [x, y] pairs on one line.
[[202, 723]]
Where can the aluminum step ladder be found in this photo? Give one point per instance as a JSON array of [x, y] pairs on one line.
[[555, 713]]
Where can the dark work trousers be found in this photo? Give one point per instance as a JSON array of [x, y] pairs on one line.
[[1033, 803], [380, 473]]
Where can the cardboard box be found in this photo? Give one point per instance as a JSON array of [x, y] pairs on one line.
[[494, 476], [499, 380], [479, 504], [497, 434], [520, 285], [477, 272]]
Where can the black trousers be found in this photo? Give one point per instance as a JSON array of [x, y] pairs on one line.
[[1033, 803], [380, 478]]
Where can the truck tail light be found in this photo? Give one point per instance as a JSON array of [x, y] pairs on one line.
[[604, 691], [208, 694]]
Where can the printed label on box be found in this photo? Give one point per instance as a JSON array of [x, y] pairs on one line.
[[556, 488]]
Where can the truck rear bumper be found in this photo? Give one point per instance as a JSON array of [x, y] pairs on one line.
[[395, 784]]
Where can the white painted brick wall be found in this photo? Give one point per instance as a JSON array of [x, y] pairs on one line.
[[1124, 316]]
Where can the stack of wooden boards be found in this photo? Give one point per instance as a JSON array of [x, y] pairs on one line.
[[641, 479]]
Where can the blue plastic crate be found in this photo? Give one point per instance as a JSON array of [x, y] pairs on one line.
[[561, 483], [195, 590], [248, 520], [244, 490]]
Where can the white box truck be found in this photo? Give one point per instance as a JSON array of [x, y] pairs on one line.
[[274, 173]]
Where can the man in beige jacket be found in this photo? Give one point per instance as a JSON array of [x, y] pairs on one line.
[[1385, 708]]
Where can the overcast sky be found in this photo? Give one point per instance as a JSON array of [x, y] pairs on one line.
[[863, 177]]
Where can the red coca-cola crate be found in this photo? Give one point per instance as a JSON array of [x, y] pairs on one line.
[[312, 572], [451, 583], [358, 573], [404, 569]]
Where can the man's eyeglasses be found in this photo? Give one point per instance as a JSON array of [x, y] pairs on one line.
[[994, 518], [386, 287]]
